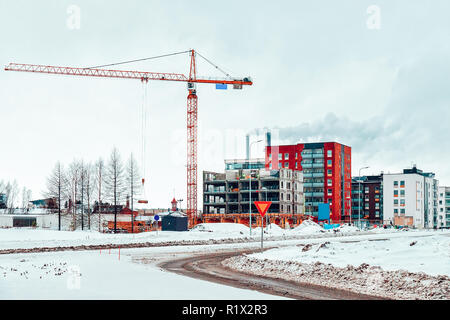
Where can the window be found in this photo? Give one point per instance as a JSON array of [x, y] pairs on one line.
[[395, 202], [329, 153], [402, 202], [329, 181], [377, 213], [286, 164], [395, 211], [288, 185], [296, 155], [402, 193], [329, 162], [329, 171], [402, 211], [279, 156], [296, 165], [281, 184], [270, 156], [286, 156], [402, 184], [288, 197], [395, 193], [270, 166], [395, 183]]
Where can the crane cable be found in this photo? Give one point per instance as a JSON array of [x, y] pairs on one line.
[[162, 56], [137, 60], [214, 65], [143, 132]]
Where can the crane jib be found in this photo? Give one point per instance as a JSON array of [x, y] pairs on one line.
[[124, 74]]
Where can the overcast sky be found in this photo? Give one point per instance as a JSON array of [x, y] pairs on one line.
[[322, 71]]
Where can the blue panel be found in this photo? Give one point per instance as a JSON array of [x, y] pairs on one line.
[[324, 211], [221, 86], [330, 226]]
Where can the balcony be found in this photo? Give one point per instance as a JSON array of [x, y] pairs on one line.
[[313, 194], [313, 184], [215, 191], [314, 204], [307, 165], [313, 175]]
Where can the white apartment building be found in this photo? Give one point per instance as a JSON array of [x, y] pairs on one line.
[[444, 207], [410, 198]]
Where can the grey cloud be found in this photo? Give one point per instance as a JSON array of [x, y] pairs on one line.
[[412, 126]]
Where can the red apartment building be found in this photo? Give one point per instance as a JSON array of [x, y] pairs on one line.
[[326, 168]]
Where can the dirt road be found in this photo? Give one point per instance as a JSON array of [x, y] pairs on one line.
[[208, 267]]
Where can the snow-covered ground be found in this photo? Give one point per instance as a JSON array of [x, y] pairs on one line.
[[95, 275], [14, 238], [54, 275], [402, 265], [430, 253]]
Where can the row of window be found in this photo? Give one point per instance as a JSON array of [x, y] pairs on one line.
[[286, 155], [402, 184], [402, 193]]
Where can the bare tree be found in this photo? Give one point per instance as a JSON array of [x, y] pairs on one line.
[[82, 187], [57, 187], [73, 180], [114, 181], [26, 198], [2, 186], [12, 190], [133, 183], [88, 189], [99, 178], [2, 195]]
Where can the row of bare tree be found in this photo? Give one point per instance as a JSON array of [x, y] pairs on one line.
[[11, 193], [81, 185]]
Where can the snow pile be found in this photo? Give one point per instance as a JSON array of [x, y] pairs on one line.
[[270, 230], [274, 229], [363, 279], [308, 227], [401, 265], [225, 227], [347, 228], [429, 253]]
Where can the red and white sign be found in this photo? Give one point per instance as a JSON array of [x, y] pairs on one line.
[[262, 206]]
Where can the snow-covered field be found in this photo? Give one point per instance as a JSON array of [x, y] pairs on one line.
[[404, 265], [429, 254], [95, 275], [14, 238], [386, 262]]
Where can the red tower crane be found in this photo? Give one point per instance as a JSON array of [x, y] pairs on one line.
[[144, 76]]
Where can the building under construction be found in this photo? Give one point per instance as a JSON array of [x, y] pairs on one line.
[[227, 196]]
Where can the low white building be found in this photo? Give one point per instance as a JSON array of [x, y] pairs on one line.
[[444, 207], [410, 199]]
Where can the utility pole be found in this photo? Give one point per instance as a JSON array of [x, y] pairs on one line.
[[82, 195], [360, 196], [250, 188]]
